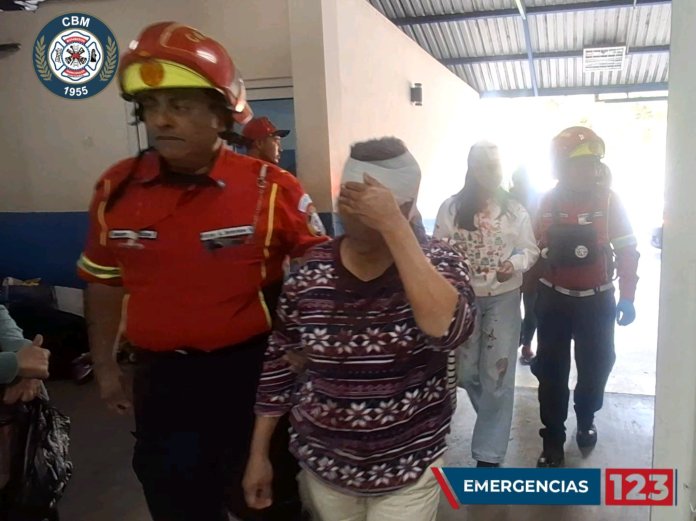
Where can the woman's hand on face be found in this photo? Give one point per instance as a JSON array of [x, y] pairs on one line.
[[372, 203]]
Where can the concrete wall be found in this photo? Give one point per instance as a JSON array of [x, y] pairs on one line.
[[675, 400], [314, 91], [359, 88]]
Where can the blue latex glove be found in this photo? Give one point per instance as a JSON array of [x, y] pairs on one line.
[[625, 312]]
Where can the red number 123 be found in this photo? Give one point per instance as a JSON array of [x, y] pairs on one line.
[[640, 487]]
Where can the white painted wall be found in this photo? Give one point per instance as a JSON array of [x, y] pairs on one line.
[[314, 92], [675, 401], [359, 88], [53, 149]]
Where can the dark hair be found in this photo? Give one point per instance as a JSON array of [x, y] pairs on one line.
[[219, 104], [378, 149], [471, 200]]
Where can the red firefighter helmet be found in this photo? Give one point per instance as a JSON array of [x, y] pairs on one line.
[[170, 55], [576, 142]]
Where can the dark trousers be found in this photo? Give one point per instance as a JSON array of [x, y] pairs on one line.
[[529, 322], [590, 322], [194, 420]]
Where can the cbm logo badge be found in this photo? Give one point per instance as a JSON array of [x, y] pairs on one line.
[[75, 56]]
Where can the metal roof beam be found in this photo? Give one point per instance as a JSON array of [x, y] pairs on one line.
[[535, 10], [472, 60], [521, 6], [634, 100], [570, 91]]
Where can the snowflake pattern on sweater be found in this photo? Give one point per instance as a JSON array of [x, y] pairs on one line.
[[373, 407]]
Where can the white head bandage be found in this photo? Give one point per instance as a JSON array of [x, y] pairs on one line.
[[401, 175]]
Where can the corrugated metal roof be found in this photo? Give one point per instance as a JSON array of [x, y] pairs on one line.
[[404, 8], [642, 28]]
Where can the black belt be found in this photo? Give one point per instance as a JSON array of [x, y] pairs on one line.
[[249, 344]]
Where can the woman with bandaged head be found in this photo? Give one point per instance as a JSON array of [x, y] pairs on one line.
[[495, 234], [376, 311]]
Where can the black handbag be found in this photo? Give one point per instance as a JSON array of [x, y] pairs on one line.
[[46, 468]]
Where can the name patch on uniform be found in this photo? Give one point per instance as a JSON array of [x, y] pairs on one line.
[[133, 235], [227, 233], [226, 237]]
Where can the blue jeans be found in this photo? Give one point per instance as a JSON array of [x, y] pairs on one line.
[[486, 370]]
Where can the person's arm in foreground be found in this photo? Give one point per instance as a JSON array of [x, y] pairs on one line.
[[273, 397], [103, 313], [258, 476], [103, 302], [624, 243], [21, 358]]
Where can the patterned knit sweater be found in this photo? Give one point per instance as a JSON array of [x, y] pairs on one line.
[[374, 405]]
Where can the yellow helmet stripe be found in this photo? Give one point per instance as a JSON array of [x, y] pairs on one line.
[[588, 149], [160, 74]]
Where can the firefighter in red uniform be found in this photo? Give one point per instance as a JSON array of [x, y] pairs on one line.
[[585, 237], [184, 255], [262, 139]]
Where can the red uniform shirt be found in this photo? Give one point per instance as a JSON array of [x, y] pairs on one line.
[[194, 253], [608, 215]]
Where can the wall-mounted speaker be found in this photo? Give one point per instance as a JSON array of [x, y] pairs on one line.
[[417, 94]]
